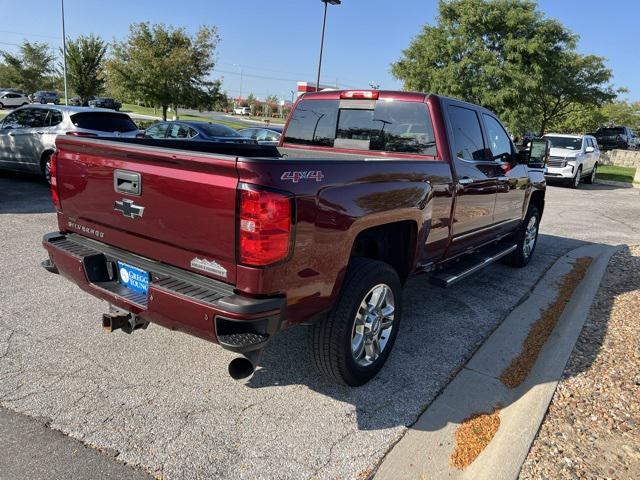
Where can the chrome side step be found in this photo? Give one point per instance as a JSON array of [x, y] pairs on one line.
[[470, 264]]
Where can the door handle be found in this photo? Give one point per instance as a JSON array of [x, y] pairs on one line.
[[11, 134], [40, 132], [465, 181]]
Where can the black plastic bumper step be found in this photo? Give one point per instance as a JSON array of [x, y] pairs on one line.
[[470, 264]]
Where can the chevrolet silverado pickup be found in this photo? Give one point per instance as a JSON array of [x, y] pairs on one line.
[[232, 243]]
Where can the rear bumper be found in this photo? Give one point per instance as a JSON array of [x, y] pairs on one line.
[[176, 299]]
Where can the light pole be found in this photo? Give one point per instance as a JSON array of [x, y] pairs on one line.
[[324, 23], [64, 57]]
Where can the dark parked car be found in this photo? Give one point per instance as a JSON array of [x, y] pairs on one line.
[[45, 97], [233, 243], [263, 135], [105, 102], [213, 132], [616, 137]]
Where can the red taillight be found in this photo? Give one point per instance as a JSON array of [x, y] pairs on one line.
[[53, 180], [82, 134], [361, 94], [265, 227]]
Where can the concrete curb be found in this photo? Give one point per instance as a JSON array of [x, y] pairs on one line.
[[425, 449], [613, 183]]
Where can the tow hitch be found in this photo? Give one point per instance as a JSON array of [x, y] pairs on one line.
[[123, 320]]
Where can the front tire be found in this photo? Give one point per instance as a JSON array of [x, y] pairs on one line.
[[575, 182], [592, 176], [352, 344], [526, 239]]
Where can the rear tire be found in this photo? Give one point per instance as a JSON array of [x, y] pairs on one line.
[[526, 239], [344, 345], [1, 106], [592, 176]]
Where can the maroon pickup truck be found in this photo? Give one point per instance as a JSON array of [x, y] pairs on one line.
[[232, 243]]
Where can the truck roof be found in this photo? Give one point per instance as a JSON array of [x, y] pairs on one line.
[[390, 95], [382, 94]]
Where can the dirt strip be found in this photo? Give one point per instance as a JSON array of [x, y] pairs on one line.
[[592, 427], [517, 371], [472, 437]]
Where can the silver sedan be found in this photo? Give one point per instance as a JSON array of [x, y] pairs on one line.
[[27, 135]]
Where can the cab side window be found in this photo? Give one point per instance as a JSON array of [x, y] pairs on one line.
[[467, 133], [499, 141]]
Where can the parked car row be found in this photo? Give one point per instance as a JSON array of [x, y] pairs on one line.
[[11, 98], [96, 102], [620, 137], [27, 135]]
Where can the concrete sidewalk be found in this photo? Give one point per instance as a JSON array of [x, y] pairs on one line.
[[425, 450]]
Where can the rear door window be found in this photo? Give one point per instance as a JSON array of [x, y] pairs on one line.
[[467, 134], [157, 131], [38, 118], [178, 131], [104, 122]]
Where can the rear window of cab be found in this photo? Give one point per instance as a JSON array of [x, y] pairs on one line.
[[369, 125]]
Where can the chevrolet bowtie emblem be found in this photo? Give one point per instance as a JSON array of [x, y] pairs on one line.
[[128, 208]]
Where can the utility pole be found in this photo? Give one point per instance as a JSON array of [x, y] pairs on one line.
[[64, 57]]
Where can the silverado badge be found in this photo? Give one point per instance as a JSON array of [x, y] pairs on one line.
[[210, 266], [128, 208]]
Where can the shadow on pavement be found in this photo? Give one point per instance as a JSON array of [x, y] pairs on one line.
[[430, 349], [24, 193]]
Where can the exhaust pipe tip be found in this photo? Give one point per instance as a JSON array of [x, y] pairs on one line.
[[241, 368]]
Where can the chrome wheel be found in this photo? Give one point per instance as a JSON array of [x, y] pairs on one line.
[[373, 325], [593, 173], [576, 180], [530, 236]]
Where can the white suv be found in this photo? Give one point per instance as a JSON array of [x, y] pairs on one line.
[[242, 110], [12, 99], [572, 158]]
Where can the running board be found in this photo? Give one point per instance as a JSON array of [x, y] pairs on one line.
[[470, 264]]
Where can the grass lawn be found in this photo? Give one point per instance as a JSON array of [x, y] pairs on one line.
[[276, 121], [617, 174], [131, 108], [3, 114]]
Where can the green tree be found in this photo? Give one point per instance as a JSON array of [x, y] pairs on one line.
[[30, 70], [162, 65], [581, 119], [85, 57], [507, 56]]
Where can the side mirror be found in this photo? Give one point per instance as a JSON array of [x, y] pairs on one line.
[[538, 154], [589, 150]]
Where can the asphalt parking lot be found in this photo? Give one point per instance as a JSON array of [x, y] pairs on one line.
[[163, 400]]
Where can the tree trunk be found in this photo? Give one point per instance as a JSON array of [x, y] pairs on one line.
[[164, 113]]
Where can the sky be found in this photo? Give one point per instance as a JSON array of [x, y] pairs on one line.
[[270, 45]]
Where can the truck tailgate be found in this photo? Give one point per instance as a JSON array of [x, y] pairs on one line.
[[183, 214]]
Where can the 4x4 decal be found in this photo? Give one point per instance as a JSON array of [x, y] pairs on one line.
[[295, 177]]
